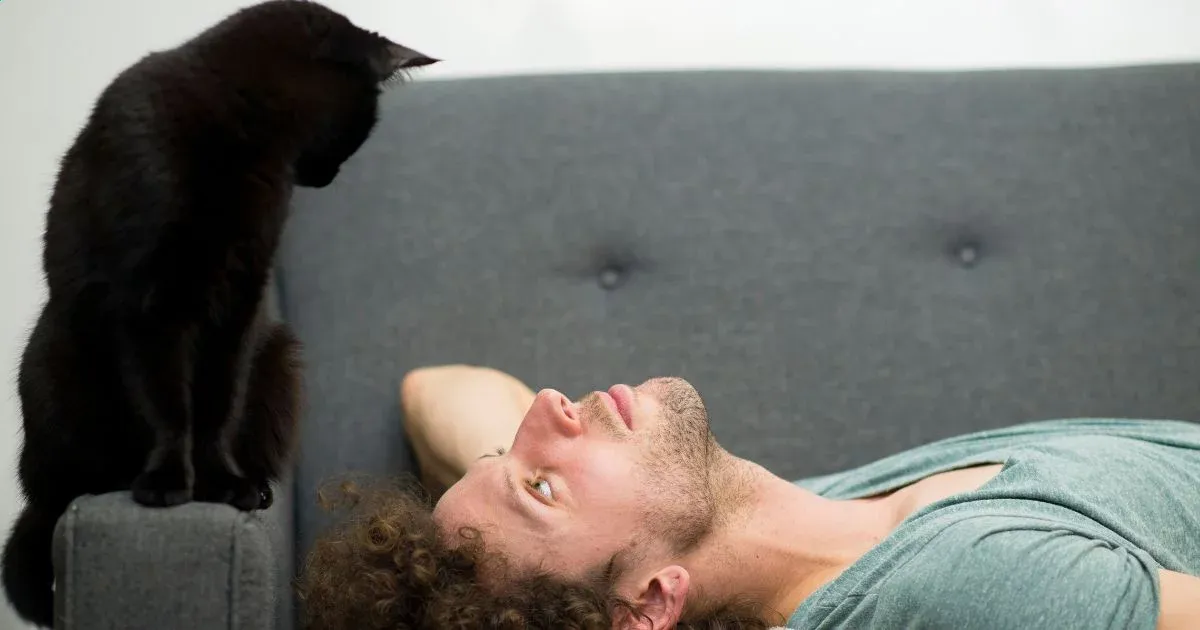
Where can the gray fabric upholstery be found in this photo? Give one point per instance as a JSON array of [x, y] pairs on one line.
[[845, 264], [120, 566], [279, 521]]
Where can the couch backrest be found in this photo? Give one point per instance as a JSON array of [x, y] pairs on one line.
[[845, 264]]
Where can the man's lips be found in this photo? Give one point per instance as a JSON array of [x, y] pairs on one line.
[[610, 402], [622, 400]]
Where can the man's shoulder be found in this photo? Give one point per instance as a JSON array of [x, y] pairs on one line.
[[980, 545], [1006, 571], [1085, 443]]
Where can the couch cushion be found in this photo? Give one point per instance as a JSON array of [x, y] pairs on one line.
[[845, 264]]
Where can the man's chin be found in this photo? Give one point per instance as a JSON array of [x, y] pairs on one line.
[[674, 391], [666, 384]]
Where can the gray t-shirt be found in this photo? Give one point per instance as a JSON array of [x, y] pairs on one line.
[[1070, 534]]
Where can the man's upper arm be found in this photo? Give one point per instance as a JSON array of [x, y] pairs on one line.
[[455, 413], [1000, 572], [1180, 601]]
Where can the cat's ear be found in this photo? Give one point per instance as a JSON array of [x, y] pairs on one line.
[[395, 58]]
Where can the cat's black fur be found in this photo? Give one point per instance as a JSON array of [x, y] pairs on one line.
[[151, 367]]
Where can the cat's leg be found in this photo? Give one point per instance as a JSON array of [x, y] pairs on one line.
[[274, 400], [223, 368], [156, 367]]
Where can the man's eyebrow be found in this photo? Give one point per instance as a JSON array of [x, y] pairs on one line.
[[500, 450]]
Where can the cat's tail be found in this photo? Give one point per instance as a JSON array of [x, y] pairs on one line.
[[28, 572], [274, 400]]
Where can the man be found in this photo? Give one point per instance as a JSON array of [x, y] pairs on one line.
[[621, 510]]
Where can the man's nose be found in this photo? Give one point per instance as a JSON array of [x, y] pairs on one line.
[[558, 412]]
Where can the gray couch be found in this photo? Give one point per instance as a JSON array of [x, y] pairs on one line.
[[846, 264]]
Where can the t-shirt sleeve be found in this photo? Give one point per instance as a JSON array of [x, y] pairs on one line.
[[990, 573]]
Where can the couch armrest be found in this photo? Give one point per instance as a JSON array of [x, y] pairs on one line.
[[198, 566]]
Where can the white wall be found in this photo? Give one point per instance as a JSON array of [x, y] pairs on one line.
[[56, 55]]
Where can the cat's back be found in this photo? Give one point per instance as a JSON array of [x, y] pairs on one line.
[[160, 104], [233, 99], [205, 139], [168, 133], [121, 181], [220, 90]]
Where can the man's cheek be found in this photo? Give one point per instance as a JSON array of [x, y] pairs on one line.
[[613, 486]]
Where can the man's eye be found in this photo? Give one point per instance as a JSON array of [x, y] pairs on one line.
[[543, 488]]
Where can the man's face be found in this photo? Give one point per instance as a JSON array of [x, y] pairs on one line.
[[619, 471]]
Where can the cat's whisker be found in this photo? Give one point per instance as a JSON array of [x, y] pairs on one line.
[[400, 76]]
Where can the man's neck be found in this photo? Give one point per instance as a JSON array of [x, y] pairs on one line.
[[780, 543]]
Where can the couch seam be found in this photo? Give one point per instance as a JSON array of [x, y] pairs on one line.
[[234, 570], [280, 293], [289, 531], [69, 575]]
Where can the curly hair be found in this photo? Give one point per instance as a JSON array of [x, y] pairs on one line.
[[388, 565]]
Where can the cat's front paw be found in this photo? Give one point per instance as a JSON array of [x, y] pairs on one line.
[[164, 486], [225, 487]]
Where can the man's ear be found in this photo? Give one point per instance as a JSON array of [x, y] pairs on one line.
[[660, 600]]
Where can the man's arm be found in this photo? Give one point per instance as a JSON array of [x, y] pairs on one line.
[[1179, 601], [453, 414]]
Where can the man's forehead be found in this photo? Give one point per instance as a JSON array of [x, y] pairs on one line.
[[453, 513], [473, 503], [562, 552], [462, 505]]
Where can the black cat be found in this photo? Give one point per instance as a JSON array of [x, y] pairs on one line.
[[151, 367]]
